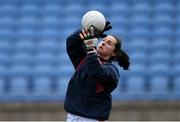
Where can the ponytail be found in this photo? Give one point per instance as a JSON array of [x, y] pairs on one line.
[[121, 57]]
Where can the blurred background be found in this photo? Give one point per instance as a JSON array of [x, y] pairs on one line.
[[35, 68]]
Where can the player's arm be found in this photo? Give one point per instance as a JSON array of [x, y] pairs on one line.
[[75, 48], [106, 74], [82, 42]]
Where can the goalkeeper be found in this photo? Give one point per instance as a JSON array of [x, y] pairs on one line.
[[88, 96]]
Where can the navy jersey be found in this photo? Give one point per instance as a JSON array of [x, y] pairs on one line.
[[89, 89]]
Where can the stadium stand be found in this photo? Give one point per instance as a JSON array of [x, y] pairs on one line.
[[34, 64]]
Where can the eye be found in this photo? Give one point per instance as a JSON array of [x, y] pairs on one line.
[[109, 42]]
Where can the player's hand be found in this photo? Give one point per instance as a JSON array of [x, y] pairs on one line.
[[106, 28], [87, 35]]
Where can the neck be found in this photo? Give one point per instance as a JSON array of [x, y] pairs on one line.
[[104, 57]]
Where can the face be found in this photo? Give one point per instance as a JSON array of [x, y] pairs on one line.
[[107, 46]]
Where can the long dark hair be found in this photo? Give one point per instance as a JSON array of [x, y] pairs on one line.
[[120, 56]]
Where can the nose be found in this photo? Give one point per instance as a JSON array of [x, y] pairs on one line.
[[102, 43]]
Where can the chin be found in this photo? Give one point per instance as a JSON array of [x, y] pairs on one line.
[[99, 52]]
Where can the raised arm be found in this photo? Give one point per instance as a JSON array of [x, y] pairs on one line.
[[76, 48], [105, 74]]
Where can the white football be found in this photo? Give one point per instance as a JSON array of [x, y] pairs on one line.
[[94, 18]]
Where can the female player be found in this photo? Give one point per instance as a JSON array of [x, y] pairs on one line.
[[88, 96]]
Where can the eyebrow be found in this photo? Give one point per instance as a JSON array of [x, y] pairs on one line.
[[108, 40]]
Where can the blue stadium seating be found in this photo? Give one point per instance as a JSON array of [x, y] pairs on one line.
[[139, 57], [158, 84], [26, 33], [2, 82], [48, 45], [119, 21], [166, 8], [68, 21], [122, 84], [177, 84], [28, 21], [135, 84], [137, 69], [52, 8], [18, 70], [97, 6], [66, 70], [47, 32], [176, 45], [22, 46], [142, 8], [163, 32], [74, 9], [120, 8], [175, 69], [30, 9], [159, 68], [8, 9], [140, 21], [4, 59], [42, 85], [6, 33], [4, 71], [45, 58], [5, 47], [136, 44], [161, 57], [33, 59], [163, 21], [51, 21], [44, 70], [18, 86], [140, 32], [162, 44], [176, 57], [62, 81], [22, 58]]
